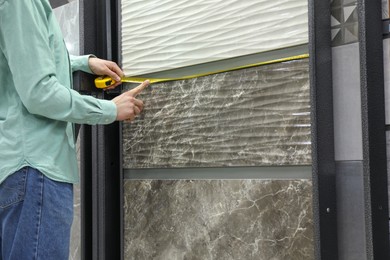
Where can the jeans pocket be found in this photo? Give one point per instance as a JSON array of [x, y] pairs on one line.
[[13, 188]]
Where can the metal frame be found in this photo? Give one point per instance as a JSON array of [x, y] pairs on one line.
[[373, 126], [374, 210], [101, 178], [323, 164]]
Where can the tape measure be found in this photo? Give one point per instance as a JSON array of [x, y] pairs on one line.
[[105, 82]]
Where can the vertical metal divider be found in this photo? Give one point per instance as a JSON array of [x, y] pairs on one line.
[[324, 177], [373, 128], [86, 191], [118, 51], [100, 145], [88, 45]]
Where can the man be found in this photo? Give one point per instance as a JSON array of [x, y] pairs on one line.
[[37, 108]]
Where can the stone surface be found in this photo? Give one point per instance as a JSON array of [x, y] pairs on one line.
[[250, 117], [218, 220]]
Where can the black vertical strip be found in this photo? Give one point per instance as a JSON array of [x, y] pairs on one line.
[[95, 188], [89, 35], [101, 172], [121, 192], [108, 173], [324, 178], [86, 191], [117, 56], [373, 126], [102, 38], [88, 46]]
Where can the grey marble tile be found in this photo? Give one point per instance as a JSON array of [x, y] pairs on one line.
[[250, 117], [218, 220]]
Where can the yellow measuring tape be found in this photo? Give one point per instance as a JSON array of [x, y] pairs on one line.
[[105, 82]]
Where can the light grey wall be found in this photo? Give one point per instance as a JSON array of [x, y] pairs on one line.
[[347, 103]]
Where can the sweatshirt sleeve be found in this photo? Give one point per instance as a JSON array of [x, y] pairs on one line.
[[80, 63], [24, 39]]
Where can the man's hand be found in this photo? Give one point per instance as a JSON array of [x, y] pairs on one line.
[[128, 107], [106, 68]]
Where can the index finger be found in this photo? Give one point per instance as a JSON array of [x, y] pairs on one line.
[[135, 91]]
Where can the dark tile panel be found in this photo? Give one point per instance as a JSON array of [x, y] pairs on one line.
[[218, 219]]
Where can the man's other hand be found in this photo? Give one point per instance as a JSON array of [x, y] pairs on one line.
[[128, 106]]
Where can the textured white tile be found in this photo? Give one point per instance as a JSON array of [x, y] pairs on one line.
[[164, 34]]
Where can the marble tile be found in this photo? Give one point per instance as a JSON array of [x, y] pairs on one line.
[[250, 117], [218, 220]]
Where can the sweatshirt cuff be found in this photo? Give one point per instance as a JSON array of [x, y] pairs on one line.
[[109, 112], [81, 63]]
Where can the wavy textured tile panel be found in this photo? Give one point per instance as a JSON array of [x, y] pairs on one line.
[[159, 35], [251, 117]]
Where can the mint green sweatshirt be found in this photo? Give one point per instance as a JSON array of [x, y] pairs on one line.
[[37, 103]]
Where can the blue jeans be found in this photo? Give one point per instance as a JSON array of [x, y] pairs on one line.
[[36, 215]]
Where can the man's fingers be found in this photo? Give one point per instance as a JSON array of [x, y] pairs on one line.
[[115, 68], [135, 91], [113, 86], [138, 103], [113, 75], [137, 110]]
